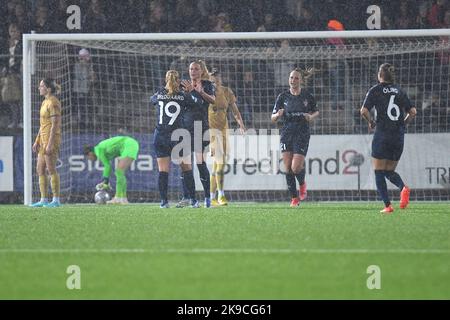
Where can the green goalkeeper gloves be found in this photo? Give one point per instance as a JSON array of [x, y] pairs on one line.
[[104, 185]]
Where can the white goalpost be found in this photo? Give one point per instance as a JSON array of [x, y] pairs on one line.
[[106, 90]]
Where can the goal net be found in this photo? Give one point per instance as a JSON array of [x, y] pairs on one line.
[[107, 81]]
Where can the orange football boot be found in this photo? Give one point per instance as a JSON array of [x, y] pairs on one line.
[[404, 197], [302, 192], [295, 202], [387, 210]]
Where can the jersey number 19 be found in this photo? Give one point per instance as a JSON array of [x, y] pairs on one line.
[[165, 110]]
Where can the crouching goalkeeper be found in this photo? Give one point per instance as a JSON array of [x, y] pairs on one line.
[[126, 148]]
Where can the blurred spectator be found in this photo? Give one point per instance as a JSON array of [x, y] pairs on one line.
[[335, 25], [94, 21], [447, 19], [59, 17], [405, 18], [422, 17], [244, 16], [307, 21], [10, 11], [83, 79], [14, 45], [330, 10], [295, 8], [268, 24], [184, 17], [386, 22], [11, 84], [126, 15], [356, 11], [248, 95], [21, 18], [222, 23], [336, 67], [156, 19], [207, 8], [436, 14], [444, 55], [282, 18], [41, 23]]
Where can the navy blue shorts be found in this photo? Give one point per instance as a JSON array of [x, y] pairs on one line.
[[295, 143], [164, 146], [389, 147]]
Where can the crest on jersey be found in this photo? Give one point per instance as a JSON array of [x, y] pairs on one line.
[[305, 102]]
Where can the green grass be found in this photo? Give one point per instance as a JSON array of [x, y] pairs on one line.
[[244, 251]]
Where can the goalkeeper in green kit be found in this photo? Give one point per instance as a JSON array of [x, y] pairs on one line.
[[126, 148]]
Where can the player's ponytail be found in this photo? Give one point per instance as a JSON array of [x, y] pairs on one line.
[[57, 89], [305, 74], [387, 72], [172, 82], [52, 85], [214, 72]]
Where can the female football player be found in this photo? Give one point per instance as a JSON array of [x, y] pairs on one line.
[[394, 112], [48, 142], [297, 109], [123, 147], [218, 125], [204, 92], [171, 103]]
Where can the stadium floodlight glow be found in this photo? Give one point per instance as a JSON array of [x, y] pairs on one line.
[[128, 68]]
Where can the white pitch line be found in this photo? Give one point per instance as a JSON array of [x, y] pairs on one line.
[[232, 251]]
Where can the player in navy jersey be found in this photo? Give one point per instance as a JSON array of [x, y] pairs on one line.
[[171, 103], [296, 108], [394, 111], [201, 88]]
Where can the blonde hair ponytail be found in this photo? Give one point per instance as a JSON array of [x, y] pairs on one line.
[[305, 74], [172, 84]]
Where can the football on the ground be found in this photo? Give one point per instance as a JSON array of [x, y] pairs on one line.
[[101, 197]]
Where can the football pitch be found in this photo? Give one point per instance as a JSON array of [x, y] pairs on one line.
[[243, 251]]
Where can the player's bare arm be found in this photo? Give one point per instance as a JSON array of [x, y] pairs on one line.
[[365, 114], [410, 115], [311, 116], [238, 117], [199, 88], [36, 143], [56, 122], [277, 115]]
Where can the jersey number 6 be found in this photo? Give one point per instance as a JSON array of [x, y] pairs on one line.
[[393, 106]]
